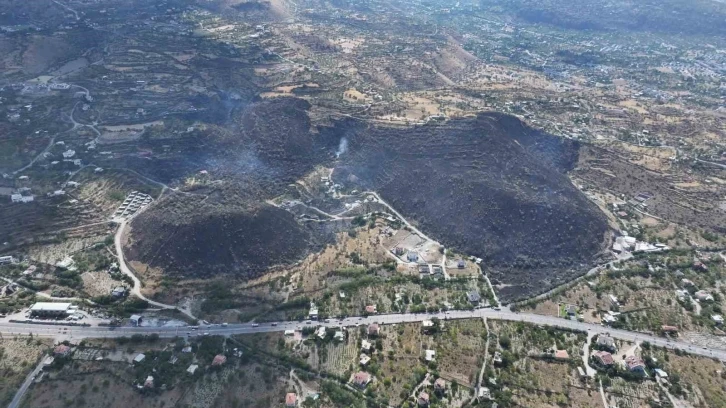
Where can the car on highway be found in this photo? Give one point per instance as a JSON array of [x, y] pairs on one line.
[[206, 333], [309, 322], [225, 324], [255, 324], [274, 324]]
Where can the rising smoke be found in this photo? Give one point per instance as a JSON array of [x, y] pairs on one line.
[[342, 147]]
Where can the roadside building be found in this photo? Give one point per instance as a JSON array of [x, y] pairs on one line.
[[669, 329], [136, 320], [606, 342], [603, 358], [139, 358], [339, 336], [473, 297], [374, 329], [571, 310], [49, 309], [62, 350], [371, 309]]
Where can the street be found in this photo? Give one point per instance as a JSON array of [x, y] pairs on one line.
[[78, 333]]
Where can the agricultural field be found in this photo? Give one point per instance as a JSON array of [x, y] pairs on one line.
[[18, 357]]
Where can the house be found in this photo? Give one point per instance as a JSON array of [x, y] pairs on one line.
[[484, 394], [339, 336], [669, 329], [412, 256], [118, 291], [460, 264], [341, 294], [704, 296], [373, 329], [700, 266], [635, 364], [681, 294], [427, 324], [606, 342], [717, 318], [69, 153], [219, 360], [473, 297], [320, 332], [423, 399], [291, 400], [365, 345], [686, 282], [371, 309], [603, 358], [149, 383], [313, 314], [135, 320], [5, 260], [364, 359], [361, 379], [561, 355], [440, 385], [62, 350], [571, 310], [424, 270], [398, 251], [19, 198], [430, 355], [139, 358], [289, 332], [660, 374], [187, 349], [497, 358], [192, 368], [614, 300]]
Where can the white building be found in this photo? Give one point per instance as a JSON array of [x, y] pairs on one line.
[[718, 319], [19, 198], [69, 153]]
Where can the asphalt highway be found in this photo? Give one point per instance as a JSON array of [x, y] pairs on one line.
[[77, 333]]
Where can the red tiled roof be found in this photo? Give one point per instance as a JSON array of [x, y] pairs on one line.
[[219, 359], [290, 399]]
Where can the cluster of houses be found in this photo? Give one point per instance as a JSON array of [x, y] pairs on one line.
[[603, 359]]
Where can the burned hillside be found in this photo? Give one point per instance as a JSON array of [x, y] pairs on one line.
[[218, 233], [488, 186]]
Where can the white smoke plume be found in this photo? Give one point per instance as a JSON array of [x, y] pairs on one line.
[[342, 147]]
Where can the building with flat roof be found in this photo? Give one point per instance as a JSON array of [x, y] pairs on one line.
[[49, 309]]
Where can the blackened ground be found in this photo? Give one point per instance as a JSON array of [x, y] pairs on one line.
[[198, 237], [487, 186], [490, 187]]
